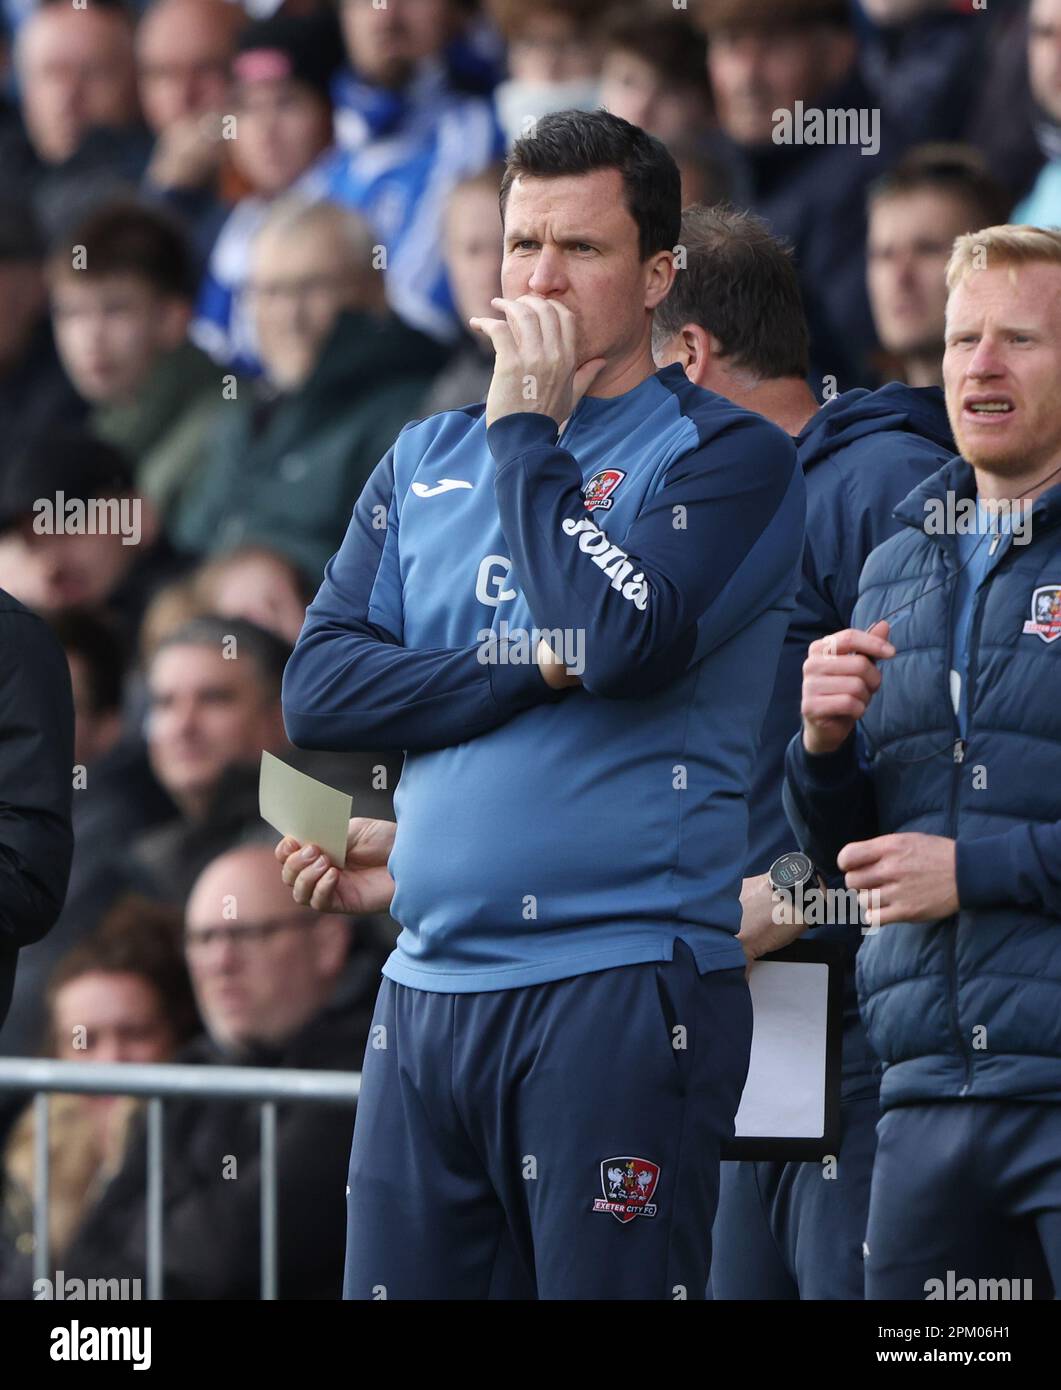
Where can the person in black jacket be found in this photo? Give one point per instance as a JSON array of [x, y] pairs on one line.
[[276, 986], [36, 786]]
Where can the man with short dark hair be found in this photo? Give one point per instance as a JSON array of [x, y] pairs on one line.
[[734, 320], [575, 650], [76, 533], [736, 308], [121, 306], [213, 706], [934, 194], [654, 73], [801, 138]]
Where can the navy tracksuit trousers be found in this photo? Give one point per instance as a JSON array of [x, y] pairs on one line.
[[796, 1230], [965, 1189], [557, 1141]]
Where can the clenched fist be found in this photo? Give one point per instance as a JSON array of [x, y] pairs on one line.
[[840, 677]]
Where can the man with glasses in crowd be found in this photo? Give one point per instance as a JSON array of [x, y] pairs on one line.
[[277, 985]]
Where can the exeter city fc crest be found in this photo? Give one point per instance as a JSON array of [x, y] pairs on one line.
[[1046, 613], [628, 1185], [598, 492]]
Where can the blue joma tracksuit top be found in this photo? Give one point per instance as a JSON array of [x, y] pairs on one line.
[[544, 835]]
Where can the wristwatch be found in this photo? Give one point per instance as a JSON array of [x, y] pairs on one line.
[[795, 877]]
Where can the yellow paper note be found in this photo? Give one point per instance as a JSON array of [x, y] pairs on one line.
[[304, 808]]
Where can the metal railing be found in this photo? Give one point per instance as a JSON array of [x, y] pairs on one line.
[[267, 1085]]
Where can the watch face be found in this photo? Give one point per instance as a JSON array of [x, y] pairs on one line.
[[791, 869]]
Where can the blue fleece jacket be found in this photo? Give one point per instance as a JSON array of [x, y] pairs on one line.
[[861, 454], [542, 836]]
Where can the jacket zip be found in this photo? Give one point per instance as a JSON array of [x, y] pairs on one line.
[[950, 938], [960, 747]]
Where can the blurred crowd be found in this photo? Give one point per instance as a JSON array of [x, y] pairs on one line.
[[239, 249]]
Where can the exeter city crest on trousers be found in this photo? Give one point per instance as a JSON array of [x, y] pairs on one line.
[[1046, 613], [628, 1185]]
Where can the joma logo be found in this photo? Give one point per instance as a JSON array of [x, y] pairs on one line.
[[615, 562]]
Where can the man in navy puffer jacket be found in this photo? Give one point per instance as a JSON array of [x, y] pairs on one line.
[[949, 816]]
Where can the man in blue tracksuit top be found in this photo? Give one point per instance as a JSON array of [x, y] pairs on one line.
[[567, 608], [952, 816], [735, 322]]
